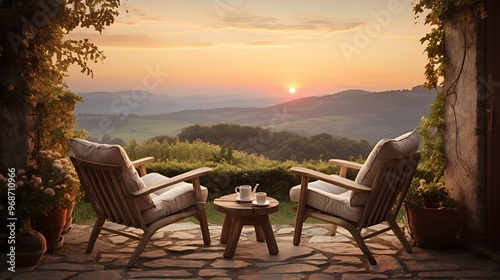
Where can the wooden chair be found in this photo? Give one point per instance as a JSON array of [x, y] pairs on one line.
[[374, 197], [145, 201]]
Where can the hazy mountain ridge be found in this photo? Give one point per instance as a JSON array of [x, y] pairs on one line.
[[146, 103], [354, 114]]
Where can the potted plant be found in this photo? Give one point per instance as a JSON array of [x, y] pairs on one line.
[[433, 216], [42, 193], [23, 245]]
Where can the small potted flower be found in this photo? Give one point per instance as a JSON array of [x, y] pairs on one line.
[[44, 191], [433, 216]]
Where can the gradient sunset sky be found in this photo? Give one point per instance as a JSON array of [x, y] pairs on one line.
[[257, 47]]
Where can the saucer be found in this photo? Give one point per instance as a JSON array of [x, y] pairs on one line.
[[241, 200], [254, 202]]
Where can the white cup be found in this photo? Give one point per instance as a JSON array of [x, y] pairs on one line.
[[245, 192], [261, 198]]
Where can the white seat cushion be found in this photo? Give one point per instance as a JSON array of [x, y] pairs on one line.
[[385, 150], [113, 154], [330, 199], [170, 199]]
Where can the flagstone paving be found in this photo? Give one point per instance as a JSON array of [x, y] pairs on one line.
[[177, 252]]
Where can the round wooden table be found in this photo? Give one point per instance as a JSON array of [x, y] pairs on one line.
[[238, 214]]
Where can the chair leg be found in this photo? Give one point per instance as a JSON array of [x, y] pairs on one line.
[[399, 234], [95, 233], [203, 223], [200, 207], [333, 230], [146, 236], [301, 210], [361, 243], [299, 221]]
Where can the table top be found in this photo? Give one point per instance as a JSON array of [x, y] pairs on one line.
[[228, 204]]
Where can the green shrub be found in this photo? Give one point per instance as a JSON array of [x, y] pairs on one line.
[[230, 168], [274, 177]]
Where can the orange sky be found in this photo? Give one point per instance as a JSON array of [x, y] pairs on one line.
[[257, 47]]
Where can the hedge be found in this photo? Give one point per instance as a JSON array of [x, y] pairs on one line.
[[275, 180]]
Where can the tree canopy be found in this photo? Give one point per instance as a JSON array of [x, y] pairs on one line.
[[36, 106], [275, 145]]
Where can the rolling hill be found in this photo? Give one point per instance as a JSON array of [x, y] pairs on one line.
[[146, 103], [354, 114]]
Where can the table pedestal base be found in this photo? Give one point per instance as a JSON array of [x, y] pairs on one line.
[[231, 231]]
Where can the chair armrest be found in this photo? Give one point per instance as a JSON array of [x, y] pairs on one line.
[[332, 179], [193, 174], [140, 164], [344, 164]]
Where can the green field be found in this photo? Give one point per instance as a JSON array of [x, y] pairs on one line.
[[142, 129], [132, 127]]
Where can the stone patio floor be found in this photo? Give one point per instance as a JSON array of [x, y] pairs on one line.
[[177, 252]]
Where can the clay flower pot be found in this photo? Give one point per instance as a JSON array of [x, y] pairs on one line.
[[51, 225], [29, 249], [435, 228]]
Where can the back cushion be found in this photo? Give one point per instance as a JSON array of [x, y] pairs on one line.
[[113, 154], [385, 150]]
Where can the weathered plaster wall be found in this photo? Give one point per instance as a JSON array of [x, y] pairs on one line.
[[464, 117]]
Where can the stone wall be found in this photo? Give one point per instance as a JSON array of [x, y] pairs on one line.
[[464, 117]]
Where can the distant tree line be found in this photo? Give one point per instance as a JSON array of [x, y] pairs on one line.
[[274, 145], [106, 139]]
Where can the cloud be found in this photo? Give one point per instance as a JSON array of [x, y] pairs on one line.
[[135, 17], [145, 41], [136, 29], [251, 22], [266, 44], [139, 41]]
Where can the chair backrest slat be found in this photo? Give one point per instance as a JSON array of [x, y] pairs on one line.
[[94, 186], [104, 184], [123, 197], [389, 188], [112, 195]]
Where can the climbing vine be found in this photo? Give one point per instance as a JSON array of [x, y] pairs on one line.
[[36, 51], [432, 127], [437, 12]]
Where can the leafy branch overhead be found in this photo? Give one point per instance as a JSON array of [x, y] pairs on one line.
[[37, 38], [437, 12], [35, 55]]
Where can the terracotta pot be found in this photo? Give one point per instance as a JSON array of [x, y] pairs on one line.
[[69, 220], [435, 228], [51, 226], [29, 249], [69, 215]]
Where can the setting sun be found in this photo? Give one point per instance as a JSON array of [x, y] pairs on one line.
[[291, 90]]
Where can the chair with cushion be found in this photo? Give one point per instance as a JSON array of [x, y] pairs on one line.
[[120, 194], [374, 197]]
